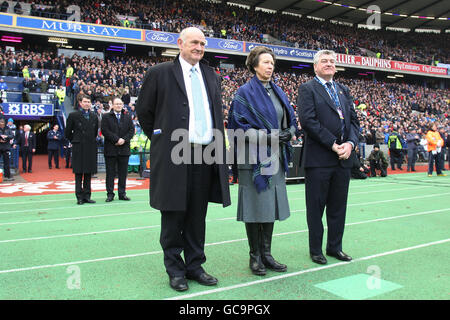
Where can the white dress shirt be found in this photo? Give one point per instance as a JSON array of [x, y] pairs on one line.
[[193, 137]]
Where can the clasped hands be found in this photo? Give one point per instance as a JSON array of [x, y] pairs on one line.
[[343, 150], [120, 142]]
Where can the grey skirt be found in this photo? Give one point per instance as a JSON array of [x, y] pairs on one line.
[[265, 207]]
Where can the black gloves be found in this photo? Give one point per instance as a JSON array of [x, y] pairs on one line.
[[285, 135]]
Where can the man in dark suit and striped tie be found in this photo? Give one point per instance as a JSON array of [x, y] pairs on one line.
[[331, 128]]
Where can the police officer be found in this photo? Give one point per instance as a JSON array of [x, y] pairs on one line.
[[413, 141]]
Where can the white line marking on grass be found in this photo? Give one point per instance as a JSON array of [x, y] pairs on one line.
[[79, 218], [293, 274], [209, 244]]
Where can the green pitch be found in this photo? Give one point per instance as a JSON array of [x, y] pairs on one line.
[[397, 231]]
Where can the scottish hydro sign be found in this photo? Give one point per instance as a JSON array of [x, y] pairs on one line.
[[284, 51], [28, 109]]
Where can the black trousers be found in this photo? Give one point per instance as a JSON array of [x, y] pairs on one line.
[[326, 187], [6, 155], [396, 158], [412, 156], [68, 154], [27, 156], [184, 231], [83, 186], [436, 160], [117, 164], [376, 165], [55, 155]]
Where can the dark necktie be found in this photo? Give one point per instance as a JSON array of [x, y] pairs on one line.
[[337, 103], [118, 117]]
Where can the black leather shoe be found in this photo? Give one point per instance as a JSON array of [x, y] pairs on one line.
[[109, 199], [178, 283], [80, 202], [89, 201], [124, 198], [320, 259], [339, 255], [204, 279]]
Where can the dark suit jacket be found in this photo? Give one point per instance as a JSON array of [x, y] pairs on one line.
[[321, 123], [31, 140], [82, 133], [54, 144], [112, 130], [163, 104]]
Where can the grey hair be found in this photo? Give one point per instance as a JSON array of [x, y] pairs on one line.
[[27, 126], [187, 30], [322, 52]]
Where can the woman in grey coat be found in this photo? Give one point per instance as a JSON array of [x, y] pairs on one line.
[[262, 110]]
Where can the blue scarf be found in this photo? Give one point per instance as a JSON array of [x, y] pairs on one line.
[[253, 108]]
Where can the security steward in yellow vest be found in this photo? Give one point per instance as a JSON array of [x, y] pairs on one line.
[[395, 149]]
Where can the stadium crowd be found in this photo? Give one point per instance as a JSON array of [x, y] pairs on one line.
[[233, 22], [379, 104]]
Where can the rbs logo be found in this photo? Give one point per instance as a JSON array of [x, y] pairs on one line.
[[28, 109]]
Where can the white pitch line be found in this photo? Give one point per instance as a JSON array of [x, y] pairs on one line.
[[208, 244], [79, 218], [293, 274], [219, 205], [146, 195]]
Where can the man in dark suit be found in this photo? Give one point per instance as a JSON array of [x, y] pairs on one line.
[[54, 142], [6, 136], [118, 130], [27, 142], [184, 94], [331, 128], [81, 131]]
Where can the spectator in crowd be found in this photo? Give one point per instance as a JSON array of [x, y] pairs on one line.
[[54, 138], [118, 129], [5, 146], [27, 143], [435, 144], [261, 202], [81, 130], [377, 161]]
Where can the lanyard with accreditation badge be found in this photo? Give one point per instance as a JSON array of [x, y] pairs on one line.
[[334, 96]]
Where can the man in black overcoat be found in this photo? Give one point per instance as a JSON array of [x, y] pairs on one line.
[[81, 131]]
